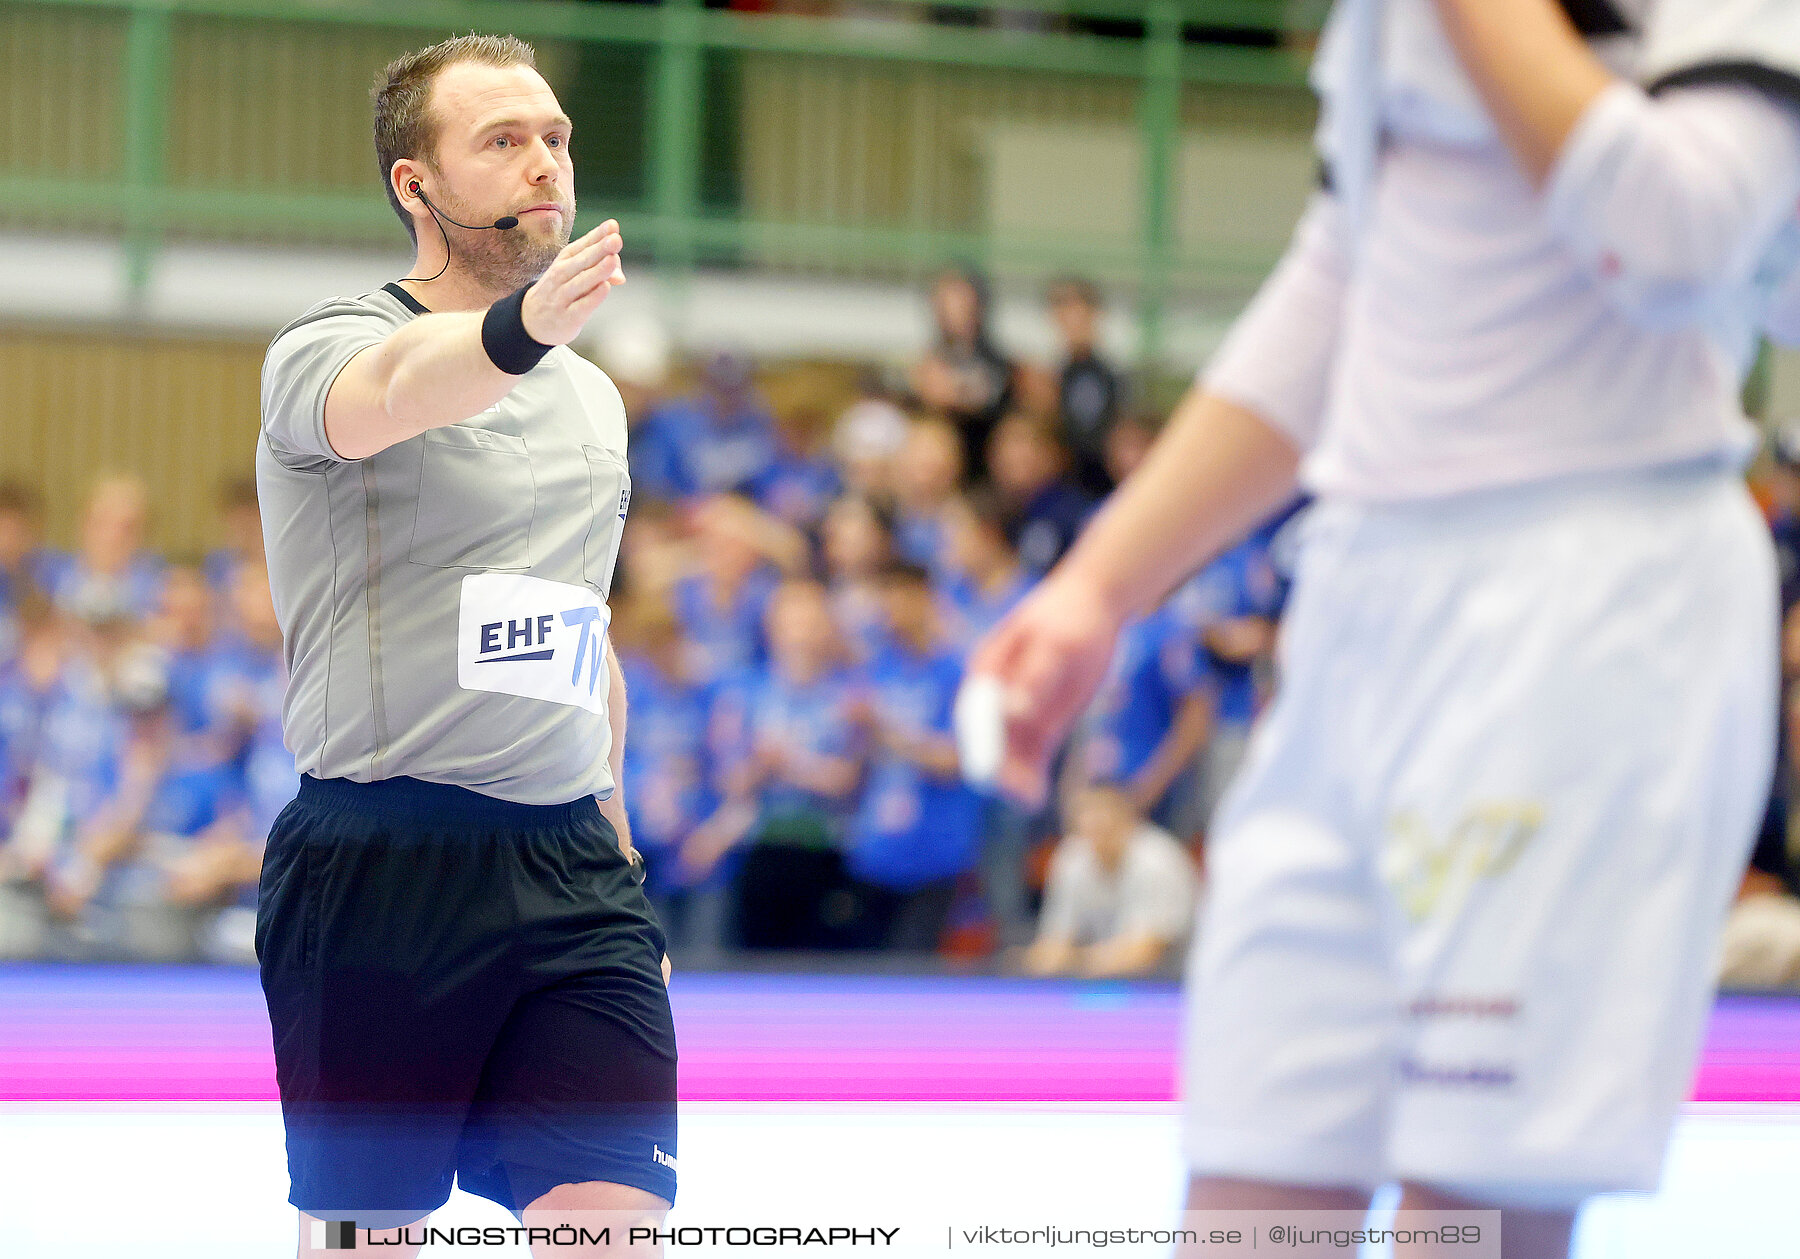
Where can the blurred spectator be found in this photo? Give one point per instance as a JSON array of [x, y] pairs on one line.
[[857, 540], [1152, 716], [718, 440], [185, 626], [1780, 488], [111, 567], [1030, 474], [27, 684], [963, 376], [983, 582], [1233, 604], [790, 763], [918, 825], [80, 742], [867, 440], [1127, 442], [211, 880], [668, 783], [132, 838], [982, 579], [742, 554], [24, 564], [1760, 945], [146, 870], [1119, 897], [1088, 391], [255, 687], [656, 551], [801, 481], [241, 523], [105, 747], [925, 479]]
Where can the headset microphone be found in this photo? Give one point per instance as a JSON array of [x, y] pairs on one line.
[[504, 223]]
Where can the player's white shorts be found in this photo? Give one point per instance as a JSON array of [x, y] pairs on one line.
[[1464, 896]]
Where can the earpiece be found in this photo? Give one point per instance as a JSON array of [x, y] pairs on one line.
[[504, 223]]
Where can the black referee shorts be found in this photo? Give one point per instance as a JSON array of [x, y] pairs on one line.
[[460, 987]]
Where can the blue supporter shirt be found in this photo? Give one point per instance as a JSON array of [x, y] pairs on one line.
[[1242, 582], [797, 488], [922, 540], [202, 781], [1157, 665], [221, 567], [40, 569], [913, 828], [668, 784], [43, 567], [685, 448], [1049, 524], [83, 738], [266, 780], [856, 607], [969, 612], [198, 682], [812, 719], [138, 588], [188, 800], [723, 642]]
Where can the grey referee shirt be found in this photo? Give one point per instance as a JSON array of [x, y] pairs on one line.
[[443, 601]]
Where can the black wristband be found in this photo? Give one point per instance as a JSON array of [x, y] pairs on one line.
[[504, 338]]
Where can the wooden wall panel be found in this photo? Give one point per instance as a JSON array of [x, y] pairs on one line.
[[181, 413]]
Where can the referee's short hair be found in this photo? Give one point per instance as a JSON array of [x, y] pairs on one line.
[[404, 123]]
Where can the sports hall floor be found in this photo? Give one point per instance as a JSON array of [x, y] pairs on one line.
[[138, 1115]]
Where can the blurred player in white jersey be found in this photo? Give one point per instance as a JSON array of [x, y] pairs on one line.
[[1465, 892]]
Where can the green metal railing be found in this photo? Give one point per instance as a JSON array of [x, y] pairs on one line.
[[144, 199]]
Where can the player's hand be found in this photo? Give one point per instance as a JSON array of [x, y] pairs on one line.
[[668, 969], [1050, 655], [559, 305]]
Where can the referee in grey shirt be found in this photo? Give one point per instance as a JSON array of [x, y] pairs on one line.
[[463, 975]]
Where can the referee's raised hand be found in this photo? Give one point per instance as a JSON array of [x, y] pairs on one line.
[[566, 296]]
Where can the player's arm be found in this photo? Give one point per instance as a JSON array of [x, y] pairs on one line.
[[1218, 470], [436, 369], [1534, 72], [1226, 460], [1664, 195]]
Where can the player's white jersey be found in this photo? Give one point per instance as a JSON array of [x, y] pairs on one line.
[[1440, 325]]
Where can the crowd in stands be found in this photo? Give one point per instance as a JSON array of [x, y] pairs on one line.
[[141, 758], [794, 606], [795, 598]]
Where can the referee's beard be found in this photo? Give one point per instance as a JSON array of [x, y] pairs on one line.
[[501, 261]]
